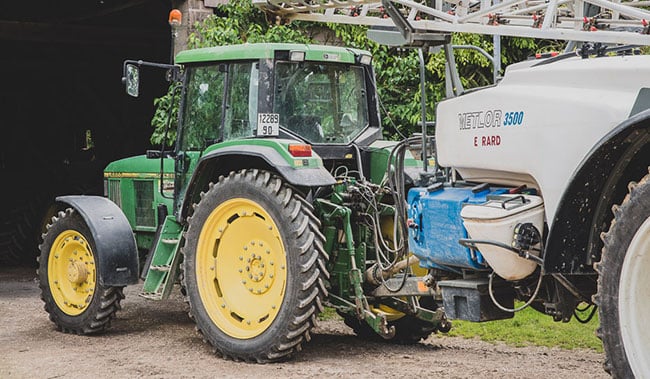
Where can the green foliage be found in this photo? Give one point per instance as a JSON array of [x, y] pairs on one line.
[[161, 116], [397, 69], [530, 327]]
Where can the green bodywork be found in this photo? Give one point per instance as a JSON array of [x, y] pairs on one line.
[[134, 185], [218, 133], [267, 51]]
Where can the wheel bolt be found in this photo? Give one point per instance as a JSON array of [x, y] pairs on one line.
[[268, 251], [240, 271], [241, 258], [243, 282], [253, 243], [261, 243], [245, 247], [250, 276]]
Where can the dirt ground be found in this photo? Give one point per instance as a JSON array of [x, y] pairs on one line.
[[157, 340]]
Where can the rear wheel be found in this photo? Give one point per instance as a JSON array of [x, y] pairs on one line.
[[253, 267], [68, 275], [624, 285]]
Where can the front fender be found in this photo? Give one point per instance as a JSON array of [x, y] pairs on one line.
[[116, 250]]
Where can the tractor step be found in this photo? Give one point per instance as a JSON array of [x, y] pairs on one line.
[[151, 296], [163, 268]]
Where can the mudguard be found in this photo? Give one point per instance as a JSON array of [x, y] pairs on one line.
[[312, 176], [116, 250], [232, 158], [600, 181]]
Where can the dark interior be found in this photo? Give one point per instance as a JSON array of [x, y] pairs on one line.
[[61, 87]]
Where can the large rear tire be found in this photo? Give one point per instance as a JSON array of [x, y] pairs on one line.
[[68, 276], [624, 284], [254, 267]]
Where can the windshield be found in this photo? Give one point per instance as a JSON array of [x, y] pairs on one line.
[[321, 102]]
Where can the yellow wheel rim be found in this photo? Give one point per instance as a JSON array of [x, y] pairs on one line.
[[241, 268], [71, 272]]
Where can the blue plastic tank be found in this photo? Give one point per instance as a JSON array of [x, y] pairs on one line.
[[436, 226]]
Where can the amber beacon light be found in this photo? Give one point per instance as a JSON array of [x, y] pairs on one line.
[[175, 17]]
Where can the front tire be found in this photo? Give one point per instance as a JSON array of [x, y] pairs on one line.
[[68, 278], [409, 330], [254, 267], [623, 285]]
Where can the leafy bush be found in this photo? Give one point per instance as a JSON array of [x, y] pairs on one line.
[[397, 69]]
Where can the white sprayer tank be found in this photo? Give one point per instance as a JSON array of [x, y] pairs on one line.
[[496, 220]]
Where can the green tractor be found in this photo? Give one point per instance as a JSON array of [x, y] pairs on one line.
[[279, 198]]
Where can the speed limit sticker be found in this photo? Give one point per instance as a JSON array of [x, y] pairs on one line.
[[268, 124]]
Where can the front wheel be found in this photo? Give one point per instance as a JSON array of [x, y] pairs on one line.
[[253, 267], [624, 285], [68, 276]]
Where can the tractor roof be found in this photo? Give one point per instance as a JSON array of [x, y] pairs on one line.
[[267, 50]]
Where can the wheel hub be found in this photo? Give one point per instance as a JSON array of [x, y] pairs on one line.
[[77, 272], [257, 271]]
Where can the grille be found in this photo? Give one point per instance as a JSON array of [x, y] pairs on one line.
[[144, 213], [114, 192]]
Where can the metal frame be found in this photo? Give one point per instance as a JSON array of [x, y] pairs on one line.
[[617, 22]]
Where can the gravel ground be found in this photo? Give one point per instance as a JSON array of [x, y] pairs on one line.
[[157, 340]]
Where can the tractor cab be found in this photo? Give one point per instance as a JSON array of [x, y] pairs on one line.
[[317, 95]]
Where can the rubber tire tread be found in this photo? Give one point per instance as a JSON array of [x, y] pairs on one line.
[[106, 302], [628, 217], [303, 297], [19, 234]]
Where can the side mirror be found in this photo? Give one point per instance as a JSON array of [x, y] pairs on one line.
[[132, 80]]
